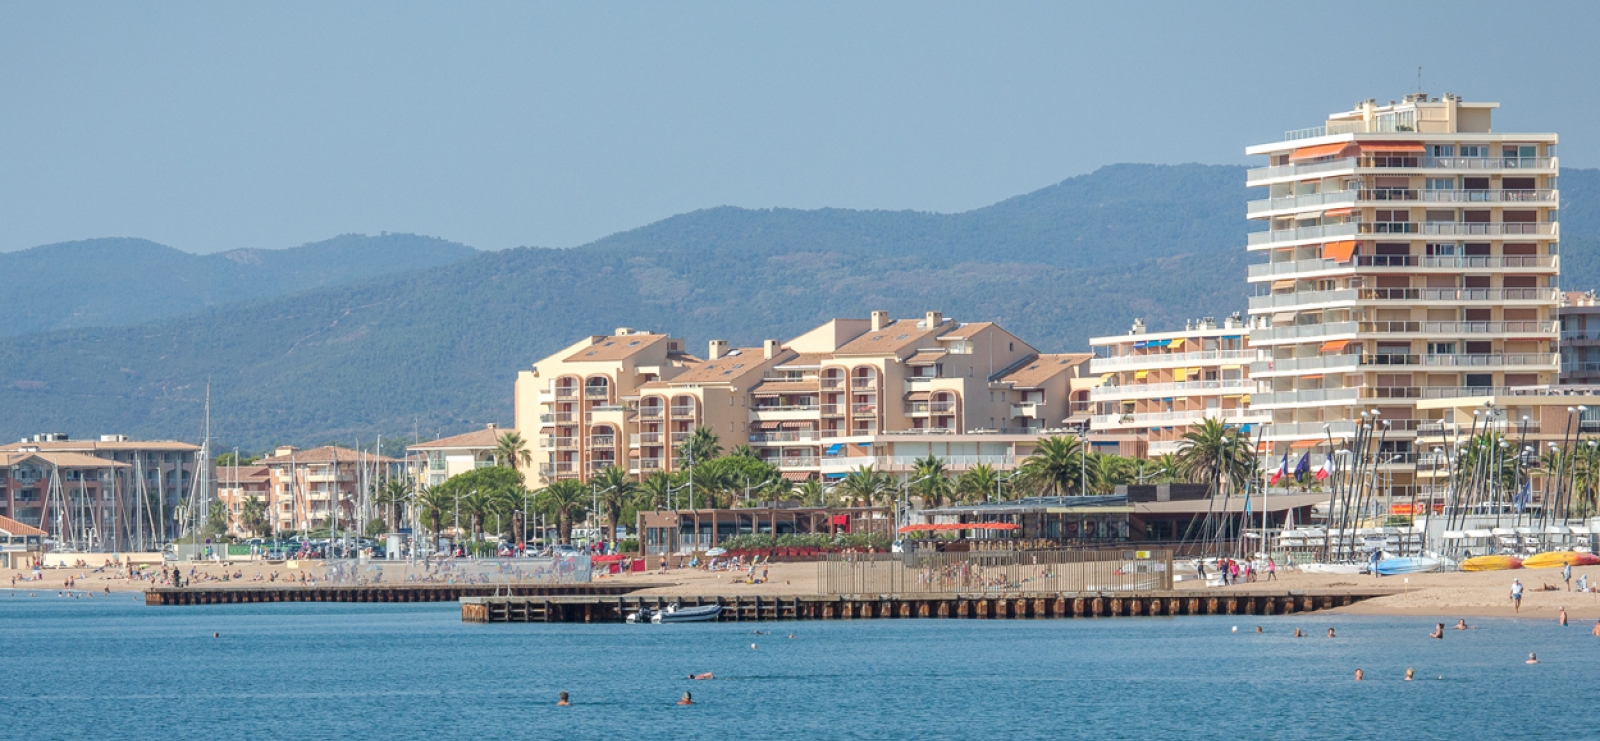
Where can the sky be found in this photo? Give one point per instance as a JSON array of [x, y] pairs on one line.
[[212, 126]]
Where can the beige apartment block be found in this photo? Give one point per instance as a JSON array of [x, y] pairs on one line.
[[1409, 252], [1155, 386], [138, 484], [309, 488], [435, 461], [1580, 338], [1533, 422], [239, 484], [630, 399]]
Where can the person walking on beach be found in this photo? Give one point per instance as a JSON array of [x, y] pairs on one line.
[[1566, 576], [1272, 569], [1516, 595]]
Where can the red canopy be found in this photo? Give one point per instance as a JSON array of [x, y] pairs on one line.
[[947, 526]]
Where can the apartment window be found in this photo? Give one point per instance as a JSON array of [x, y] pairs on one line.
[[1441, 150], [1441, 348], [1442, 183], [1474, 150], [1436, 249], [1440, 215]]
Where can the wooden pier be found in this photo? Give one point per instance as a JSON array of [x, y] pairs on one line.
[[597, 609], [223, 595]]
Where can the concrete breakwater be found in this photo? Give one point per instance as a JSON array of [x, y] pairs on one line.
[[220, 595], [592, 609]]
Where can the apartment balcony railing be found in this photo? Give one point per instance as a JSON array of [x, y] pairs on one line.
[[1544, 360], [651, 412], [807, 461], [596, 392], [1484, 196], [646, 464], [681, 410], [868, 384], [1307, 396], [596, 466], [602, 441], [1488, 163], [1338, 197], [558, 467], [1173, 419], [1028, 410], [1513, 327], [561, 443], [1317, 363], [942, 407], [1176, 359], [1444, 262], [785, 408], [1327, 231], [1276, 172], [1154, 390], [1302, 332], [566, 392], [784, 436], [1452, 295], [832, 383], [863, 408], [832, 410], [1580, 369], [1465, 229], [898, 463], [677, 438], [645, 438]]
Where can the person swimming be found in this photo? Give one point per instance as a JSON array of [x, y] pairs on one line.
[[1258, 629], [1532, 659], [1410, 674], [1562, 611], [704, 675], [1461, 624], [561, 700], [1298, 634], [1438, 631], [1330, 633], [1359, 675], [687, 699]]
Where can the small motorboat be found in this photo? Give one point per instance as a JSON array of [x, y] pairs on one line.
[[677, 614], [640, 617]]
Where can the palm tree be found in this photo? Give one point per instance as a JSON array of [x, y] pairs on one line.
[[512, 451], [1214, 451], [977, 483], [810, 493], [1057, 465], [566, 501], [478, 505], [617, 491], [744, 451], [435, 504], [1106, 472], [254, 516], [866, 484], [933, 481], [700, 446], [656, 489], [391, 495]]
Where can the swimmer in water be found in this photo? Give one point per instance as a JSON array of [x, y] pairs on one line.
[[1532, 659], [1462, 624], [1330, 633], [752, 647], [561, 700], [1410, 673], [687, 699], [791, 635], [1596, 630], [1359, 675], [1438, 631], [1258, 629], [1563, 613], [1298, 634], [705, 675]]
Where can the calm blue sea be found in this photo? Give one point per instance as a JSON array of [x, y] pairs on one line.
[[113, 668]]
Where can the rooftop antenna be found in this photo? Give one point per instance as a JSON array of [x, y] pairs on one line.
[[1419, 78]]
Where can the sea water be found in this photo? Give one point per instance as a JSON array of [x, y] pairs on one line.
[[110, 667]]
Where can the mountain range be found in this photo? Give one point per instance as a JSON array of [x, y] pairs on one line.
[[434, 349]]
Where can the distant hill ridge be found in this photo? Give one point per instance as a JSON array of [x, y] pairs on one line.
[[120, 281], [437, 349]]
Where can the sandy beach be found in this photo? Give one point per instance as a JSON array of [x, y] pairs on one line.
[[1442, 595]]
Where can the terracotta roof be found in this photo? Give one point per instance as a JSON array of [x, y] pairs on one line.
[[615, 348], [787, 387], [1031, 375], [487, 437], [326, 454], [804, 359], [12, 527], [248, 474], [893, 338], [926, 357], [967, 330], [722, 370], [82, 445], [59, 459]]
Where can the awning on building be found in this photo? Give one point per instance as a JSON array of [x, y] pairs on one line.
[[1339, 251], [765, 425], [797, 475], [1303, 444], [1321, 150], [918, 396], [1336, 212], [1334, 346], [1177, 344], [1282, 285], [1283, 317], [1367, 147], [1141, 374], [795, 424]]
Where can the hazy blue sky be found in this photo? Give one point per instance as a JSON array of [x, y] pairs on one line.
[[211, 126]]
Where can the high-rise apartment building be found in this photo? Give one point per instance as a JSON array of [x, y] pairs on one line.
[[1409, 252], [630, 399], [1155, 386], [1580, 338]]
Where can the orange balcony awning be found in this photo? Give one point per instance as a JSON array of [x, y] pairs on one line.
[[1392, 147], [1312, 376], [1303, 444], [1335, 212], [1282, 285], [1334, 346], [1339, 251], [1321, 150]]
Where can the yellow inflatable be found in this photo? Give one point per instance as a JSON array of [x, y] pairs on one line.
[[1491, 563], [1557, 559]]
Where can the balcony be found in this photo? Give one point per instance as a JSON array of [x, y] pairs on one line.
[[1029, 409], [1515, 327], [1175, 419], [1173, 360], [1490, 163], [784, 412], [908, 463], [683, 411], [1545, 361], [1298, 332], [917, 409], [864, 384], [1546, 197], [1264, 175], [562, 417], [1299, 234], [1262, 271], [1410, 295], [1267, 399], [566, 392], [645, 465], [832, 410], [860, 409], [596, 392], [561, 443], [596, 466], [1287, 203], [1580, 368], [678, 438], [639, 439], [795, 461], [602, 441], [1496, 229], [557, 468], [832, 383], [651, 412], [1158, 390], [784, 436]]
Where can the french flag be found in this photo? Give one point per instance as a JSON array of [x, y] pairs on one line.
[[1283, 471], [1325, 470]]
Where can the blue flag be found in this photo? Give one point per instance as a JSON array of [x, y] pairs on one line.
[[1524, 497], [1303, 467]]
